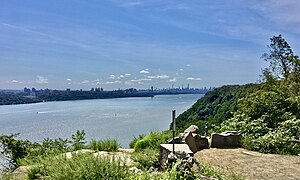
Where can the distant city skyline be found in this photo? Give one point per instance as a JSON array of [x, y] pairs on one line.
[[113, 44]]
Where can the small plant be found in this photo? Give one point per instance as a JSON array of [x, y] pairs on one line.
[[104, 145], [152, 140], [147, 158], [78, 140], [81, 166], [136, 139]]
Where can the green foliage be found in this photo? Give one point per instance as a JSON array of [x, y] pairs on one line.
[[281, 57], [147, 158], [16, 148], [78, 140], [86, 166], [81, 166], [24, 152], [110, 145], [215, 107], [152, 140], [7, 99], [135, 139], [267, 114], [214, 173]]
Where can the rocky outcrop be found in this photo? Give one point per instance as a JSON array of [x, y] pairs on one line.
[[196, 142], [166, 150], [192, 129], [228, 139], [192, 139]]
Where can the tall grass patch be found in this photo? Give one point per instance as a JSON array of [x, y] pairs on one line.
[[152, 140], [110, 145], [81, 166]]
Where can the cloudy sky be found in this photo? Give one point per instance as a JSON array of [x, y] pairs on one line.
[[129, 43]]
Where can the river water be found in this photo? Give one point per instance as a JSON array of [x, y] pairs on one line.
[[120, 118]]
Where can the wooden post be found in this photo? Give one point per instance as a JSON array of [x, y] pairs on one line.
[[174, 127]]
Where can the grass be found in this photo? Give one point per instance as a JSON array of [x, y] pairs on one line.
[[152, 140], [81, 166], [136, 139], [88, 167], [146, 158], [48, 161], [212, 172], [110, 145]]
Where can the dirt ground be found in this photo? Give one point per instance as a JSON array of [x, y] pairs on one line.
[[252, 165]]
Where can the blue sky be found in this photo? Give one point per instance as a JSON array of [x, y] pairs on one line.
[[129, 43]]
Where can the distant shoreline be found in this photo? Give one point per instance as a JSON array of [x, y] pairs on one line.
[[35, 100]]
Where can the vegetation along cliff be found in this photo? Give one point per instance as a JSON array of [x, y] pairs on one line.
[[267, 114]]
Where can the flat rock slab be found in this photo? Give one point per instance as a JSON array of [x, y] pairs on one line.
[[166, 149], [178, 148], [253, 165]]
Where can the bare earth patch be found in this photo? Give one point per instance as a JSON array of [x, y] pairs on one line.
[[252, 165]]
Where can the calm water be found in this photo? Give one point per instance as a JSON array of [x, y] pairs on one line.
[[121, 118]]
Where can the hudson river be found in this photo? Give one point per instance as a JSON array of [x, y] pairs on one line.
[[121, 118]]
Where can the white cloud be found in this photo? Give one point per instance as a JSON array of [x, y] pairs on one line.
[[159, 77], [194, 78], [41, 80], [145, 71], [140, 80], [180, 69], [112, 76], [188, 65], [112, 82], [15, 81], [121, 76], [85, 81], [69, 79], [127, 74], [173, 80]]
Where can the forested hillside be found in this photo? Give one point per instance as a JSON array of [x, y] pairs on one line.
[[267, 114]]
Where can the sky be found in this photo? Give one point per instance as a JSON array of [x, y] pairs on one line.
[[81, 44]]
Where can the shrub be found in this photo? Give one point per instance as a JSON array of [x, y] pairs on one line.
[[152, 140], [81, 166], [78, 140], [104, 145], [147, 158], [135, 139]]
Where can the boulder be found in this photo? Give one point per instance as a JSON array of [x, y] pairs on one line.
[[166, 150], [196, 142], [192, 129], [228, 139], [183, 162]]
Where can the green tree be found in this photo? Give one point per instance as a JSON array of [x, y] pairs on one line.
[[281, 57], [78, 140]]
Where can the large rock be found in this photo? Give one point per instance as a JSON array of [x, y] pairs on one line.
[[167, 149], [195, 141], [192, 129], [228, 139]]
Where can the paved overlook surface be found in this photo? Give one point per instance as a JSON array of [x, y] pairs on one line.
[[252, 165]]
